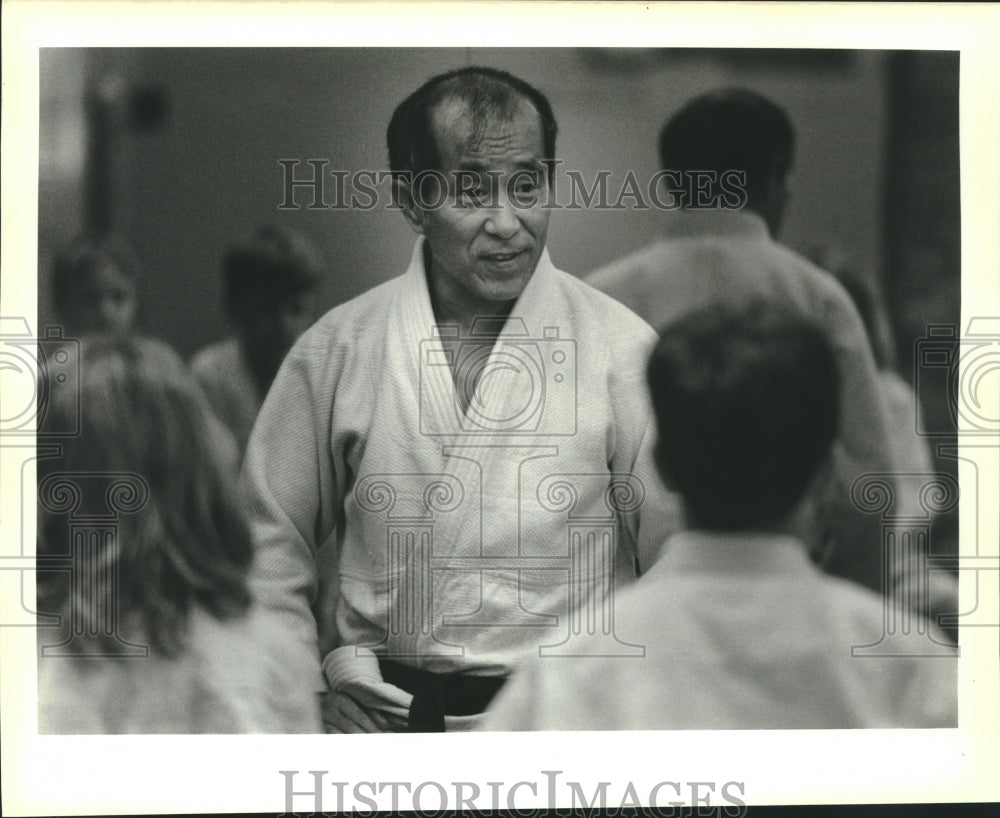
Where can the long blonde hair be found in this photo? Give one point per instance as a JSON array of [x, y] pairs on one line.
[[141, 413]]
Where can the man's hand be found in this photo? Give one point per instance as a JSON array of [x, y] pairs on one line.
[[341, 714]]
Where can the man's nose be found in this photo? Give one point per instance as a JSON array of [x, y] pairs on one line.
[[503, 221]]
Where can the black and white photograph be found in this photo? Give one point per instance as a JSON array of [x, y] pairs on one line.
[[624, 407]]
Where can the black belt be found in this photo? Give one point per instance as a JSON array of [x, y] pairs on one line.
[[436, 695]]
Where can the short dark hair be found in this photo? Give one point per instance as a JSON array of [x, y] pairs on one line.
[[274, 261], [489, 93], [729, 129], [79, 259], [141, 412], [746, 405]]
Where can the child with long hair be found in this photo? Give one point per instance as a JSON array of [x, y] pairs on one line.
[[160, 632]]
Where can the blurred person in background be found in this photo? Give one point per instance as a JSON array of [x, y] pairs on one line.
[[911, 451], [742, 630], [727, 158], [269, 283], [172, 577], [94, 286]]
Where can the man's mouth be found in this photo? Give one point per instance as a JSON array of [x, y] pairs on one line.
[[500, 258]]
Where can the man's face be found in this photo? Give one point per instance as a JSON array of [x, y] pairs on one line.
[[488, 229]]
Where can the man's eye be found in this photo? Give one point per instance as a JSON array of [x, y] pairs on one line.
[[526, 189]]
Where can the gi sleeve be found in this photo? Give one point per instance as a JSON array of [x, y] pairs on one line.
[[287, 485], [649, 513]]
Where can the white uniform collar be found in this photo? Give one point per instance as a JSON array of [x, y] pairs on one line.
[[733, 552], [731, 223]]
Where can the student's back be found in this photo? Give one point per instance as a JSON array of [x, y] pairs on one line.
[[740, 628], [739, 633], [233, 677]]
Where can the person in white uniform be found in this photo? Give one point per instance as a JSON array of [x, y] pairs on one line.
[[726, 158], [270, 282], [455, 466], [740, 629]]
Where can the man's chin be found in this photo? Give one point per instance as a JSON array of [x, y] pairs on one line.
[[505, 283], [502, 292]]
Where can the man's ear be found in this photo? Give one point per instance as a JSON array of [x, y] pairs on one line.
[[779, 174], [776, 193], [411, 210], [823, 491]]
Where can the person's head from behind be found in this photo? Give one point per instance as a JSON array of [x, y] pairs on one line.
[[270, 283], [94, 286], [143, 417], [746, 407], [734, 130], [471, 153]]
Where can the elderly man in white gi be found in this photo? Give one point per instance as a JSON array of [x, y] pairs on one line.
[[453, 469]]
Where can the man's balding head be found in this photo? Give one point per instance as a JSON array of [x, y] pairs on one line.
[[484, 96]]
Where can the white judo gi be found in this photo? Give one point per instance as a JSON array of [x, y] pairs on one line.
[[387, 519], [742, 632]]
